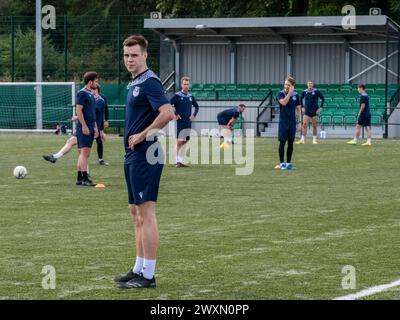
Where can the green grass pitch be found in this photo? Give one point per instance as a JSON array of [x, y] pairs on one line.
[[269, 235]]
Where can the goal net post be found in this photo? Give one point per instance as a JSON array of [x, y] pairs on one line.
[[36, 106]]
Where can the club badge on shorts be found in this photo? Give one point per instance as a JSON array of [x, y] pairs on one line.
[[136, 91]]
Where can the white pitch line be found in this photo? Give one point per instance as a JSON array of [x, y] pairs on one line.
[[369, 291]]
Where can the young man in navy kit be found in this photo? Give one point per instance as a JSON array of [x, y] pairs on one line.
[[289, 103], [101, 120], [86, 128], [363, 118], [227, 119], [311, 110], [183, 102], [147, 109]]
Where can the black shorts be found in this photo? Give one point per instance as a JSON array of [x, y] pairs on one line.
[[142, 175], [83, 140], [311, 114], [287, 131], [364, 121], [183, 129]]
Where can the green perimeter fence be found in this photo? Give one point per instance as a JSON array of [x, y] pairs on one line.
[[76, 45]]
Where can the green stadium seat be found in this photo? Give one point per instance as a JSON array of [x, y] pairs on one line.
[[376, 120], [196, 87], [235, 95], [330, 104], [325, 120], [273, 87], [338, 118], [376, 112], [350, 96], [208, 87], [259, 96], [338, 98], [223, 95], [350, 119], [246, 95], [375, 100], [265, 86], [327, 111], [344, 104], [241, 87], [230, 87], [210, 95], [219, 87], [205, 95], [200, 95], [253, 87]]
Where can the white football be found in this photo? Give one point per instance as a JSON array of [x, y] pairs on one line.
[[20, 172]]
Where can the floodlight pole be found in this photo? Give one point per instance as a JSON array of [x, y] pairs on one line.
[[39, 65]]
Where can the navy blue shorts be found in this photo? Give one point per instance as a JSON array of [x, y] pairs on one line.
[[364, 121], [143, 177], [222, 121], [84, 141], [183, 130], [311, 114], [287, 131]]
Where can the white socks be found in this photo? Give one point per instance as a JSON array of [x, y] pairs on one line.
[[179, 159], [144, 266], [149, 267], [58, 155], [138, 265], [369, 140], [303, 138], [314, 138]]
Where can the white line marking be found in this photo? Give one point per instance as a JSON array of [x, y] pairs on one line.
[[369, 291]]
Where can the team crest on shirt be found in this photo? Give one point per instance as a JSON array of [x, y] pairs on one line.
[[190, 99], [313, 93], [294, 98], [136, 91]]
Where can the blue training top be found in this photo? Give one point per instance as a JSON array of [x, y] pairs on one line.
[[311, 100], [145, 96], [183, 105], [228, 114], [365, 99], [100, 111], [86, 99], [287, 114]]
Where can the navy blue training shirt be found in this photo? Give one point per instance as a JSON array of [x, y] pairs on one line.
[[183, 105], [287, 114], [105, 108], [228, 114], [365, 99], [100, 111], [144, 97], [311, 100], [86, 99]]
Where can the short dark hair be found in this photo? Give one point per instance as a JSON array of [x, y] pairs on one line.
[[242, 105], [89, 76], [96, 87], [185, 78], [134, 40], [291, 80], [362, 86]]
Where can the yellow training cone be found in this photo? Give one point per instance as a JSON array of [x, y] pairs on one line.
[[100, 185]]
